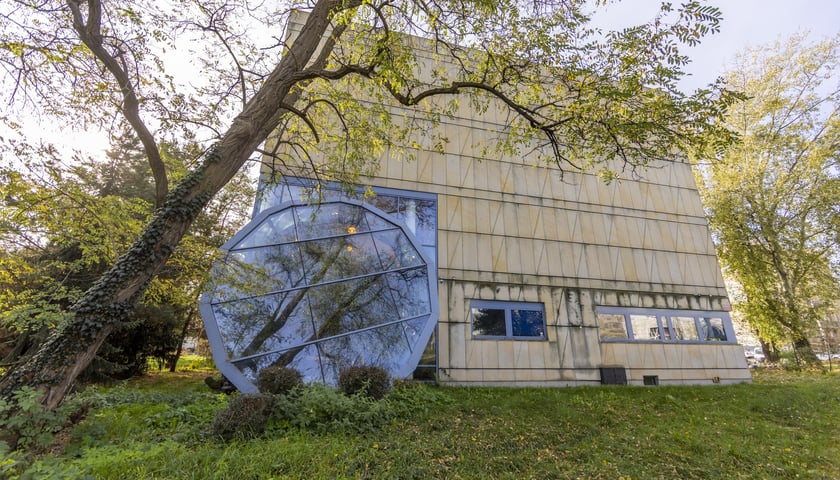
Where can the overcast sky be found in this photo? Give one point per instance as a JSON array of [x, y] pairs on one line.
[[746, 23]]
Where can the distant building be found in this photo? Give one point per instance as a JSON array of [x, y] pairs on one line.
[[486, 270], [826, 336]]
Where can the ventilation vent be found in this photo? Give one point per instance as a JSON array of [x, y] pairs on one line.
[[613, 376]]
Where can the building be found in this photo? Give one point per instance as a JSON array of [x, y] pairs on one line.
[[533, 277]]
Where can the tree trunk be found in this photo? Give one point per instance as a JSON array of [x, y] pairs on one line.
[[771, 355], [804, 353], [70, 349], [173, 362]]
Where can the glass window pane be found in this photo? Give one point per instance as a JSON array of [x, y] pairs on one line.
[[329, 220], [384, 347], [612, 325], [413, 329], [351, 305], [277, 228], [308, 192], [645, 327], [395, 250], [304, 359], [713, 329], [488, 322], [386, 203], [426, 220], [429, 356], [257, 271], [263, 324], [272, 195], [408, 290], [684, 328], [527, 323], [377, 223]]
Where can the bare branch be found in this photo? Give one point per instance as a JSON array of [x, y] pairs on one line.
[[90, 34]]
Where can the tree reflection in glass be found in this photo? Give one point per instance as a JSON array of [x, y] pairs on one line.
[[320, 288]]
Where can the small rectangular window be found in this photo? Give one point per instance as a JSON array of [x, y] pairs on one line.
[[514, 320], [612, 325], [713, 330], [527, 323], [684, 328], [645, 327]]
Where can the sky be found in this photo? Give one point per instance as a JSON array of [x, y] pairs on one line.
[[746, 23]]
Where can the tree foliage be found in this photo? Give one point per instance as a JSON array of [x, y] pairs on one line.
[[773, 197], [62, 225], [579, 95]]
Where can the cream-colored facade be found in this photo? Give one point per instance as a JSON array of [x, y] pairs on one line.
[[509, 231]]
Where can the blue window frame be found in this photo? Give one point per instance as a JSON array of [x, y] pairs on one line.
[[507, 320], [617, 324]]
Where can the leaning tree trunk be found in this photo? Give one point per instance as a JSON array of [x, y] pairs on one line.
[[69, 350]]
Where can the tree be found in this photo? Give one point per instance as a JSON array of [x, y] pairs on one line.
[[581, 95], [61, 226], [773, 197]]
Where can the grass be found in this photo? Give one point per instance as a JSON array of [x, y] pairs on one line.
[[784, 425]]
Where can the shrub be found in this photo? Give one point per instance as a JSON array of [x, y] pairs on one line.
[[322, 409], [365, 380], [279, 380], [245, 417]]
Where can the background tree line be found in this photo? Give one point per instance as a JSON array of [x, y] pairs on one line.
[[63, 223], [773, 198]]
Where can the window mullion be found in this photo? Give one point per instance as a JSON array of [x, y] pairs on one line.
[[631, 335]]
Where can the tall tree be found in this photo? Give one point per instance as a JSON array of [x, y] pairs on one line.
[[62, 226], [581, 95], [773, 198]]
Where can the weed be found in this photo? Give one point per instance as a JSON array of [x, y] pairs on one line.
[[26, 424]]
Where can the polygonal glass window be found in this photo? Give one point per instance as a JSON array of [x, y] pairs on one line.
[[319, 288]]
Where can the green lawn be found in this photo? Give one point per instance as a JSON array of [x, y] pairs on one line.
[[784, 425]]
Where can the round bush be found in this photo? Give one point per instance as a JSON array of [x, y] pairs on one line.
[[279, 380], [365, 380], [245, 417]]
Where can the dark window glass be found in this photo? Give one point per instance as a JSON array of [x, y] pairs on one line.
[[513, 320], [488, 322], [527, 323]]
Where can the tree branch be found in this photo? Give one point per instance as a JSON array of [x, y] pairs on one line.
[[91, 35]]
